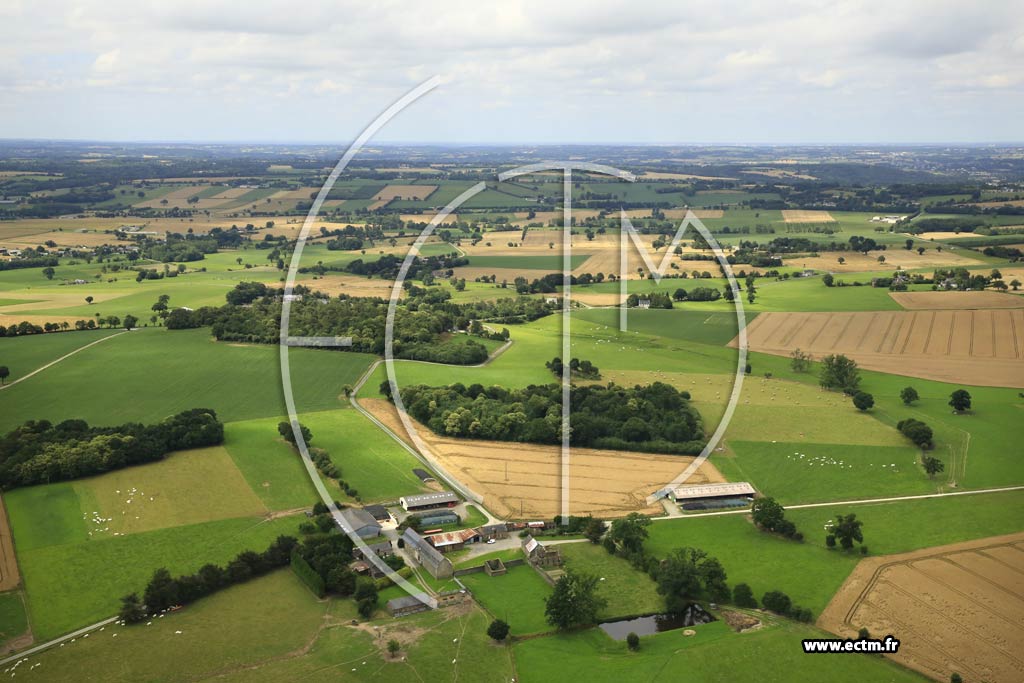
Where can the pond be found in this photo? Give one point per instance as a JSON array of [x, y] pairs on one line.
[[692, 615]]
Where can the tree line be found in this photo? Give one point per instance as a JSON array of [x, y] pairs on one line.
[[39, 452]]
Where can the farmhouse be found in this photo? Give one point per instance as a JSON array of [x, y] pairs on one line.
[[712, 493], [361, 522], [540, 555], [490, 531], [405, 605], [427, 501], [428, 557], [643, 303], [382, 549]]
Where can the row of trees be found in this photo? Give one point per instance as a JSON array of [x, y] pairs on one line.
[[25, 328], [655, 418], [164, 592], [40, 452], [577, 368]]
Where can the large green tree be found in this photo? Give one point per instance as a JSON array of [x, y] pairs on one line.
[[960, 400], [839, 372], [574, 601]]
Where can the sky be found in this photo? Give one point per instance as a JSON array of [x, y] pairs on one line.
[[514, 72]]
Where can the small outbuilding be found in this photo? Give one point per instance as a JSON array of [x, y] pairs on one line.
[[423, 475], [405, 605]]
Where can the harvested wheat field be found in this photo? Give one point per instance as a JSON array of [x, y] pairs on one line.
[[894, 258], [349, 284], [523, 480], [956, 608], [977, 347], [405, 192], [928, 301], [802, 216]]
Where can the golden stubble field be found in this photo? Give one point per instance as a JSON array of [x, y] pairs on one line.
[[983, 347], [523, 481], [954, 608]]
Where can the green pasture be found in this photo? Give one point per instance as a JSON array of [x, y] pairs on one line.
[[23, 355], [272, 468], [72, 584], [629, 592], [370, 461], [714, 653], [148, 375], [516, 597], [13, 620]]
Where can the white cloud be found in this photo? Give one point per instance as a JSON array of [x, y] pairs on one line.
[[665, 71]]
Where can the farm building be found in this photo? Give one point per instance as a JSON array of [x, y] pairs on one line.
[[490, 531], [382, 549], [705, 493], [437, 518], [453, 540], [427, 555], [379, 512], [405, 605], [540, 555], [428, 501], [361, 522], [423, 475]]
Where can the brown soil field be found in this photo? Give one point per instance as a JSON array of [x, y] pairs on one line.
[[955, 608], [522, 481], [348, 284], [426, 217], [61, 238], [9, 576], [894, 258], [779, 173], [9, 319], [802, 216], [405, 192], [975, 347], [928, 301]]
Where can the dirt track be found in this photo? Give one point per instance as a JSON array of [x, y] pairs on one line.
[[956, 608], [9, 576], [522, 480], [977, 347]]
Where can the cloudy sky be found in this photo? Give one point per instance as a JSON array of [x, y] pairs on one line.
[[545, 71]]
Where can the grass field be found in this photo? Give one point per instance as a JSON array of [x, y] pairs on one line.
[[715, 653], [148, 375], [13, 621], [551, 263], [22, 355], [810, 573], [371, 462], [271, 467], [516, 598], [628, 591], [74, 584]]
